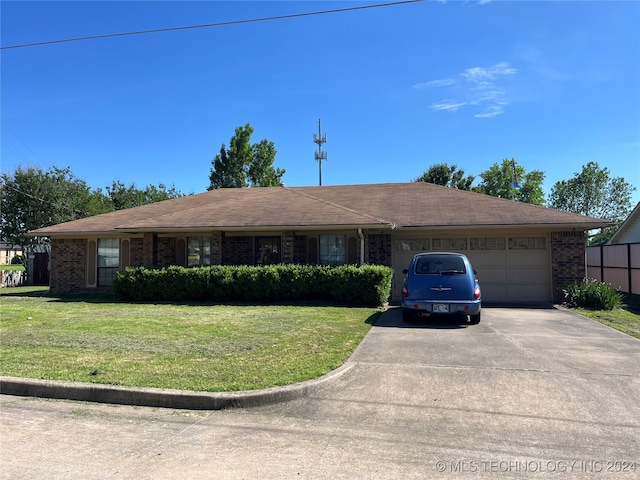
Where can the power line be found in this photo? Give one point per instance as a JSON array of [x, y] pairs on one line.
[[209, 25], [42, 200]]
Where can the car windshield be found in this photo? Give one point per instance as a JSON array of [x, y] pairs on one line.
[[440, 265]]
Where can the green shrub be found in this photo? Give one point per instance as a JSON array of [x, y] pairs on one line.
[[365, 285], [18, 260], [592, 294]]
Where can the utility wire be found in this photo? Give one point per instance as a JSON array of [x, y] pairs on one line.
[[209, 25], [42, 200]]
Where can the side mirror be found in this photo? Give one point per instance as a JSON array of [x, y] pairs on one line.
[[405, 271]]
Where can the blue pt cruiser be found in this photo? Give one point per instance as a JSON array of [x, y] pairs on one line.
[[440, 283]]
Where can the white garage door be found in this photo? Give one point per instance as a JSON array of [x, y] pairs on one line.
[[510, 269]]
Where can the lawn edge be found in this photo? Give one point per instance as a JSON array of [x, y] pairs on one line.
[[165, 398]]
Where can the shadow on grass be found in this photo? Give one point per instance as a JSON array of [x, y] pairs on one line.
[[98, 298]]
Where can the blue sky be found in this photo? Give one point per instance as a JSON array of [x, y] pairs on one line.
[[553, 84]]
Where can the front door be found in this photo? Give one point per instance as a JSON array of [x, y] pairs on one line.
[[41, 269]]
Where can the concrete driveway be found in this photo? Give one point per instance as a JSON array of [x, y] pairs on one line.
[[528, 393]]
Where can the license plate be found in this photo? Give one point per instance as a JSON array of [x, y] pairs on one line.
[[440, 308]]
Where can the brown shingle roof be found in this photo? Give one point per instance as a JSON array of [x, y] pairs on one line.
[[390, 205]]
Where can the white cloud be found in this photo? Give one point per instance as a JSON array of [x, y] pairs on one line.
[[445, 82], [492, 111], [448, 106], [481, 87], [487, 75]]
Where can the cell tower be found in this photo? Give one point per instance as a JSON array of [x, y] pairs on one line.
[[320, 155]]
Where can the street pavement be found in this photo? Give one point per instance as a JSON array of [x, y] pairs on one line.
[[528, 393]]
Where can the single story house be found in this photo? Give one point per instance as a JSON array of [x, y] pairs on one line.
[[8, 252], [629, 231], [522, 252]]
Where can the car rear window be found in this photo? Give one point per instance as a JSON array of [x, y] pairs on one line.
[[440, 265]]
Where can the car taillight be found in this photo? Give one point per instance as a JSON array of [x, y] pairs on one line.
[[476, 293], [405, 292]]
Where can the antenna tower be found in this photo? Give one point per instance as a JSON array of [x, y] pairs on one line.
[[320, 155]]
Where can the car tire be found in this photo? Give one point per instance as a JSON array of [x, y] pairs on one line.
[[474, 319]]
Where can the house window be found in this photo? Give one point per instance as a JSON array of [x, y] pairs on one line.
[[108, 260], [449, 244], [198, 251], [487, 243], [267, 250], [527, 243], [333, 250]]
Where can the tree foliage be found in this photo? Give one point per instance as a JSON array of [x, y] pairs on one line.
[[498, 181], [32, 198], [244, 164], [593, 192], [447, 175], [122, 196]]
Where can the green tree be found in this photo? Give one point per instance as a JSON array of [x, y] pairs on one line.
[[498, 181], [593, 192], [123, 196], [31, 198], [447, 175], [244, 164]]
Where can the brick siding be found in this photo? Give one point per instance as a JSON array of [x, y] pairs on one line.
[[300, 249], [378, 249], [136, 252], [166, 248], [568, 262], [237, 250], [68, 265]]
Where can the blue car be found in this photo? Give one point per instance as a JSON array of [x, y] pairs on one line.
[[440, 283]]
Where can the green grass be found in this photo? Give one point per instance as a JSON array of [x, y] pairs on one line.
[[192, 347], [28, 291], [625, 319], [12, 267]]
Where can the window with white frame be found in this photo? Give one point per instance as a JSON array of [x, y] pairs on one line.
[[333, 250], [198, 251], [108, 260]]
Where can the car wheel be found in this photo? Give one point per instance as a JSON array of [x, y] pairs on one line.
[[474, 319], [407, 316]]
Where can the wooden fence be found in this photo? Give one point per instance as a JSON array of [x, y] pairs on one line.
[[618, 265]]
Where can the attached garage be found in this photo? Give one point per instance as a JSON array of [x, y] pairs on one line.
[[510, 268]]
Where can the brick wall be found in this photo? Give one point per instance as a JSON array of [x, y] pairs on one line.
[[216, 248], [136, 252], [68, 265], [300, 249], [166, 248], [150, 249], [237, 250], [288, 247], [378, 249], [568, 263]]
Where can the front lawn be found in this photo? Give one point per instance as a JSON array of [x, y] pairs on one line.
[[183, 346], [625, 319], [12, 267]]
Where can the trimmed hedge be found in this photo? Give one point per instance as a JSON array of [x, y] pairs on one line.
[[365, 285]]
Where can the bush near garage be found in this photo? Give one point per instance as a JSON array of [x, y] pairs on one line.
[[350, 284], [593, 294]]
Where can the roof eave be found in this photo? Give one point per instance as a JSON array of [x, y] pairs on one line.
[[203, 229], [550, 226]]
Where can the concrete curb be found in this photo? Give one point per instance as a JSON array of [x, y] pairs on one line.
[[166, 398]]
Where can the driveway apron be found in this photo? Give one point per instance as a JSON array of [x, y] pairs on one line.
[[527, 393]]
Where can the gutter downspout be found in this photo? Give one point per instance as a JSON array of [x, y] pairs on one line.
[[361, 235]]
